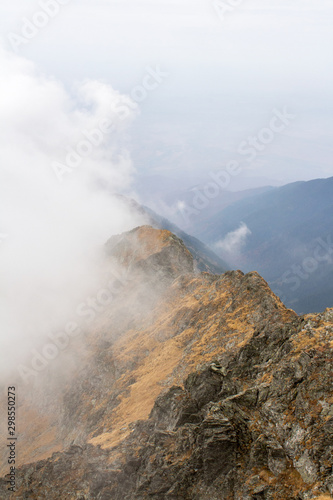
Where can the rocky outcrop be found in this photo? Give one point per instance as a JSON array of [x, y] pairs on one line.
[[216, 392], [155, 253]]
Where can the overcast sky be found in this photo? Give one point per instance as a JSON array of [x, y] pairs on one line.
[[228, 68], [146, 98]]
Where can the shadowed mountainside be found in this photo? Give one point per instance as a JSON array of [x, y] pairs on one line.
[[289, 244]]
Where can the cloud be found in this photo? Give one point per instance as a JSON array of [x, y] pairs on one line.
[[50, 259], [270, 53], [234, 241]]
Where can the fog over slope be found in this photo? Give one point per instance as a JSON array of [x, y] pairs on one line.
[[61, 158]]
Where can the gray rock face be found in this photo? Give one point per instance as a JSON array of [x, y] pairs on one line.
[[212, 440]]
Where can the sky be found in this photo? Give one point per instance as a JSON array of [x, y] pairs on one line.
[[144, 98], [226, 64]]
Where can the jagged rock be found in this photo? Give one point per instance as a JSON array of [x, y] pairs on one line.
[[307, 468], [210, 390]]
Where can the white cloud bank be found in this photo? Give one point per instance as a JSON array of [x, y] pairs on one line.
[[234, 241], [55, 230]]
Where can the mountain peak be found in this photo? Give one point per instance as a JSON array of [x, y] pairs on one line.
[[155, 251]]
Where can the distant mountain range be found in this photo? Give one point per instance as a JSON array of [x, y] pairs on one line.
[[165, 196], [286, 234]]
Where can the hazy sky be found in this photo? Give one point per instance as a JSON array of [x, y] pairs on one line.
[[112, 94], [228, 67]]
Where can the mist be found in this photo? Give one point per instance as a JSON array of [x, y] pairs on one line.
[[64, 155], [233, 243]]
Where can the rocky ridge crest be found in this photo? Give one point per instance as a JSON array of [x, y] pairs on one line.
[[214, 391]]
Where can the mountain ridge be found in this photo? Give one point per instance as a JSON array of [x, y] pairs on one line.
[[187, 386]]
